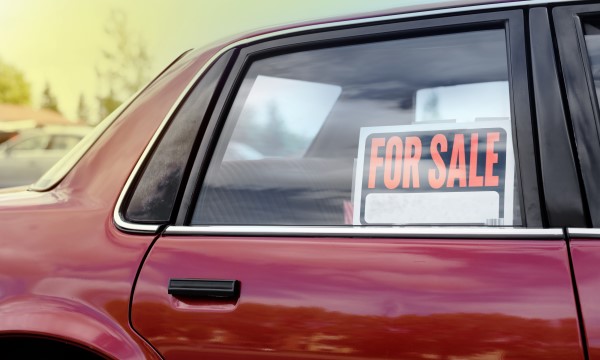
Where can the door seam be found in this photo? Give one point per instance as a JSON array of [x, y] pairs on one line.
[[159, 234], [580, 320]]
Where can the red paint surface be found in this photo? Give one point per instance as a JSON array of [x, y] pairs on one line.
[[586, 260], [65, 270], [362, 298]]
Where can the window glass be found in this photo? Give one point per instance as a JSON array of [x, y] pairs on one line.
[[154, 196], [592, 41], [401, 132], [278, 123]]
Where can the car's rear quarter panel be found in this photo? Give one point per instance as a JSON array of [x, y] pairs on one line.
[[66, 270]]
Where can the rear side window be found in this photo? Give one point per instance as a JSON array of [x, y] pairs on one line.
[[410, 131], [592, 42], [157, 188]]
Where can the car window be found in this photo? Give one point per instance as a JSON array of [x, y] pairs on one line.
[[157, 188], [64, 142], [592, 42], [409, 131], [32, 143]]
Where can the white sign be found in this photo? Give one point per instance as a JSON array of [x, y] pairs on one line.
[[458, 174]]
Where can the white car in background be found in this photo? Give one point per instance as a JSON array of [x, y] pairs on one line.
[[28, 155]]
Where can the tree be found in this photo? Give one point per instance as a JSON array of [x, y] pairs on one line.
[[49, 100], [83, 111], [108, 103], [14, 89], [124, 67]]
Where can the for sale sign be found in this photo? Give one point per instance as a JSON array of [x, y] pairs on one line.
[[461, 174]]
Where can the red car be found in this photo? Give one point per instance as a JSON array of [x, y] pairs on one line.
[[417, 184]]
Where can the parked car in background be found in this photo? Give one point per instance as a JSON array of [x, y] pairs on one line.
[[5, 135], [30, 153], [417, 184]]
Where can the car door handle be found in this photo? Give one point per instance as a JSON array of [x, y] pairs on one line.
[[205, 288]]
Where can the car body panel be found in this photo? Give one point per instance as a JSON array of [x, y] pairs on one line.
[[59, 318], [74, 273], [364, 298], [61, 250], [586, 257]]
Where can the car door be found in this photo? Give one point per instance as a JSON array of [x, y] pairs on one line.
[[364, 190], [578, 36]]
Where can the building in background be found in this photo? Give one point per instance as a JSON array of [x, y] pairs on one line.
[[19, 117], [16, 118]]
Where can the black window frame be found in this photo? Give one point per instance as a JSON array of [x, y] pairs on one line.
[[580, 97], [562, 190], [523, 130], [215, 70]]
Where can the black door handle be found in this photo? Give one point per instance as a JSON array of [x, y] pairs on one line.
[[205, 288]]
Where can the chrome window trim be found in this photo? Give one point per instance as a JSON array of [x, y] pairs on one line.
[[450, 232], [584, 233], [145, 228]]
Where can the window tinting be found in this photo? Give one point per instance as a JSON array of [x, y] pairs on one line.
[[154, 196], [407, 131], [592, 41]]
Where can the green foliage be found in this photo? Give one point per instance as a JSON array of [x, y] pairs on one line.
[[108, 104], [124, 67], [49, 99], [14, 89]]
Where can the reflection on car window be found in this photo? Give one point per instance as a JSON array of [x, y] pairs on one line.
[[275, 121], [592, 41], [330, 137]]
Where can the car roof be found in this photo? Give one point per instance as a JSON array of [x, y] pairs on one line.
[[407, 11], [412, 8]]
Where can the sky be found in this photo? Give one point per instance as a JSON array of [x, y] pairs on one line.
[[60, 41]]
